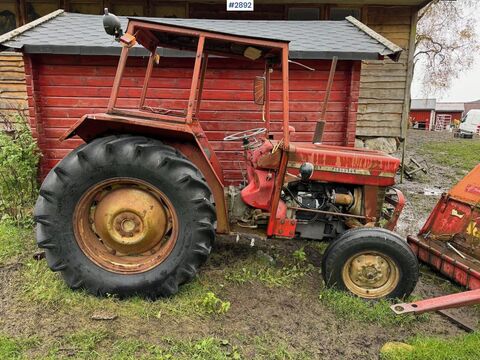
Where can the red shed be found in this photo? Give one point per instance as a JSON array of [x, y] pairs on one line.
[[70, 65], [422, 113], [448, 114]]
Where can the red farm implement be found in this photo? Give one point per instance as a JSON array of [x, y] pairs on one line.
[[450, 242]]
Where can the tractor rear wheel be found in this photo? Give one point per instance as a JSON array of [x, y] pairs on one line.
[[372, 263], [125, 215]]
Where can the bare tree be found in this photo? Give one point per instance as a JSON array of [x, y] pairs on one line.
[[446, 42]]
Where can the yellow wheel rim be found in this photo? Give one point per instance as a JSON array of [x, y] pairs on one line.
[[370, 275], [125, 225]]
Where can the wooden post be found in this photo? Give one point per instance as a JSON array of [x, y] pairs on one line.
[[406, 104], [286, 98], [319, 127], [267, 98]]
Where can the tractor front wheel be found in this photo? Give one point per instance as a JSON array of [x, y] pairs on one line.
[[371, 263], [125, 215]]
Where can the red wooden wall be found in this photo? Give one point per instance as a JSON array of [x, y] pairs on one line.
[[420, 116], [63, 88]]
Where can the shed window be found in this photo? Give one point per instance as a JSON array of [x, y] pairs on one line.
[[338, 13], [303, 13]]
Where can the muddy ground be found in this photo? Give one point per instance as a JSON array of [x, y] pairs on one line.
[[263, 321]]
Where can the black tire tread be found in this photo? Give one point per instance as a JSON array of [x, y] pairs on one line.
[[356, 236], [153, 152]]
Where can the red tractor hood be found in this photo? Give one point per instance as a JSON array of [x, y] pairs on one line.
[[345, 165]]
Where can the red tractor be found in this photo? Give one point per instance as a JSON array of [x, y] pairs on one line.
[[135, 210]]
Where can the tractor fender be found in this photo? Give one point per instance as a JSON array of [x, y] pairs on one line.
[[189, 139]]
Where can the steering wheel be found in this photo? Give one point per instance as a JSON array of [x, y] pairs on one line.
[[241, 135]]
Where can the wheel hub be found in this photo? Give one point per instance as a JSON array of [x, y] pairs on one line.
[[370, 275], [369, 270], [128, 224], [130, 220]]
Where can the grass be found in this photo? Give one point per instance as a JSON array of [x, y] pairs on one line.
[[12, 348], [273, 348], [251, 271], [14, 241], [461, 155], [257, 270], [42, 286], [351, 308], [100, 344], [458, 348], [197, 300]]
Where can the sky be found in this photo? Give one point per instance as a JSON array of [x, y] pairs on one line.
[[465, 88]]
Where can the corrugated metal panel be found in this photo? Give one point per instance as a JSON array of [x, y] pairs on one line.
[[69, 87]]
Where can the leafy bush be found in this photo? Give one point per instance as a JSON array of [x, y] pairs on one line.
[[19, 156]]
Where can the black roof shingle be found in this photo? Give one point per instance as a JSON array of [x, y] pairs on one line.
[[80, 34]]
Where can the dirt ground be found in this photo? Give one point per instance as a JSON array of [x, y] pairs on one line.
[[263, 320]]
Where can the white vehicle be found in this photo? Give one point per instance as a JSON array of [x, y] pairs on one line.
[[470, 124]]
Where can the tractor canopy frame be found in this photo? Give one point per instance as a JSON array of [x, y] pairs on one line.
[[152, 35]]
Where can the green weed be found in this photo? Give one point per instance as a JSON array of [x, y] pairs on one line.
[[19, 156], [14, 241], [250, 271], [350, 308], [253, 269], [214, 305], [459, 348], [299, 255]]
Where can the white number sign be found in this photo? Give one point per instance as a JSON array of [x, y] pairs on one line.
[[239, 5]]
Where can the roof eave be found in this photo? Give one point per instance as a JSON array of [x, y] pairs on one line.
[[391, 50], [20, 30], [140, 51]]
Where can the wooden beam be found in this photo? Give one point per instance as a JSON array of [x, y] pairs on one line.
[[406, 104], [15, 32]]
